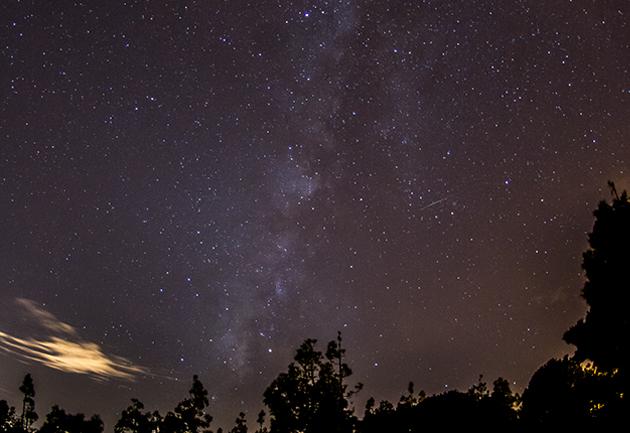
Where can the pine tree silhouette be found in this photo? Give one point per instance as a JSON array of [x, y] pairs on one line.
[[29, 416]]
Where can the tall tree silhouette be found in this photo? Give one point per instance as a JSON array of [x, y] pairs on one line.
[[261, 422], [335, 414], [58, 421], [29, 416], [603, 336], [289, 397], [190, 414], [311, 396]]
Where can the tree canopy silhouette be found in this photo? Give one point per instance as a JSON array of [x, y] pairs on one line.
[[449, 411], [560, 396], [58, 421], [7, 417], [189, 416], [603, 336], [312, 396], [134, 420]]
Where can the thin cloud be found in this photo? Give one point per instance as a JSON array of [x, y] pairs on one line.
[[64, 350], [44, 318]]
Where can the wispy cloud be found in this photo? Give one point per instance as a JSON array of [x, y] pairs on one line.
[[44, 318], [62, 348]]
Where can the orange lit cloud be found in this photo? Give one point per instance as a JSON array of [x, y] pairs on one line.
[[65, 350]]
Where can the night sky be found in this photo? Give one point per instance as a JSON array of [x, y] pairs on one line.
[[194, 187]]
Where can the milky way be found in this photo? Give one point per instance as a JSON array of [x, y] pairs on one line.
[[194, 187]]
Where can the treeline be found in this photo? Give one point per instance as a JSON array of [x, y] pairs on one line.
[[588, 391]]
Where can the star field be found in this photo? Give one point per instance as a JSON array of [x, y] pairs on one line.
[[196, 187]]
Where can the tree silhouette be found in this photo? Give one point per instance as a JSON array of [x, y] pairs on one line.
[[261, 422], [603, 336], [335, 411], [379, 419], [501, 405], [406, 409], [29, 416], [8, 420], [58, 421], [311, 396], [190, 414], [562, 395], [289, 397], [134, 420], [240, 424], [450, 411]]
